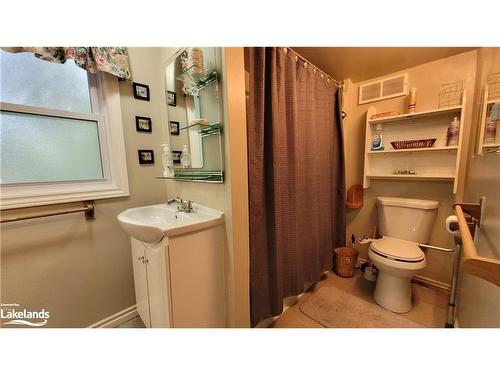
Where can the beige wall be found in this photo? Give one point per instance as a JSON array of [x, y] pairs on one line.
[[79, 271], [427, 78], [479, 300], [219, 196], [239, 264], [210, 194]]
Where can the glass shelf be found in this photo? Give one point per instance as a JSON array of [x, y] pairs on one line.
[[205, 130], [197, 81], [198, 99], [187, 175]]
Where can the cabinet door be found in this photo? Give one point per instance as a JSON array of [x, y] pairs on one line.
[[158, 284], [140, 281], [197, 279]]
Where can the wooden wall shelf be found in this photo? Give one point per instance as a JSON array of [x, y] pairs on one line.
[[440, 162]]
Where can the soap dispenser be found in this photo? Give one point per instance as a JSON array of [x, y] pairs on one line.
[[185, 157], [166, 159]]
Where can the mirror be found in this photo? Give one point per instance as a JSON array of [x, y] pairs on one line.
[[489, 121], [194, 114]]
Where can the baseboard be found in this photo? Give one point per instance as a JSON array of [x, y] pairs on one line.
[[427, 282], [115, 320], [432, 284]]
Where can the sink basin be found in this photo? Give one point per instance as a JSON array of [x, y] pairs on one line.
[[151, 223]]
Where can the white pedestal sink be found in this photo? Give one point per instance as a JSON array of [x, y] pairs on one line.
[[178, 265]]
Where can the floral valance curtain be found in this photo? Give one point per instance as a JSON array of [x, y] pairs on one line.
[[113, 60]]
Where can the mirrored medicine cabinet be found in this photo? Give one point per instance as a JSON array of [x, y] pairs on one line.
[[195, 121], [488, 137]]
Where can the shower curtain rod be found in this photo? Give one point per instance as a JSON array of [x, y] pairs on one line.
[[338, 83]]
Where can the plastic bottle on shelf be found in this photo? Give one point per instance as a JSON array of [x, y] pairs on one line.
[[491, 131], [412, 100], [185, 157], [452, 134], [491, 124], [377, 144], [167, 161]]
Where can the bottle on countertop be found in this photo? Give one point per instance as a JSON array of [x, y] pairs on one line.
[[452, 134], [185, 157]]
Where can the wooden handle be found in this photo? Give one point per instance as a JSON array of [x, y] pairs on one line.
[[485, 268]]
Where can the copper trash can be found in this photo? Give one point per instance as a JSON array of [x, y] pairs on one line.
[[345, 260]]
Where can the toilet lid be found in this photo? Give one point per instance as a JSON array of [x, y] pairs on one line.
[[398, 249]]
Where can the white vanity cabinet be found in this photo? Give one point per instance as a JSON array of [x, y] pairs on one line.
[[179, 281]]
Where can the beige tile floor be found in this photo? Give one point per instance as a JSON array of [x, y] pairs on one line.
[[429, 305]]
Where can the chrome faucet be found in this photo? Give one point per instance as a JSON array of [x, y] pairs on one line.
[[184, 206], [175, 200]]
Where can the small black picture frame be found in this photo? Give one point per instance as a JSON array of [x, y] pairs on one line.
[[171, 98], [176, 157], [146, 156], [174, 128], [141, 91], [143, 124]]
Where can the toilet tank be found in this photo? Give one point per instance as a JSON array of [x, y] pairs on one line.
[[407, 219]]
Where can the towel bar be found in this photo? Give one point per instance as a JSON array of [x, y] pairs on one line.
[[87, 209]]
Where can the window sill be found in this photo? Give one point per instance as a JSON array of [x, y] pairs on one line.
[[30, 196]]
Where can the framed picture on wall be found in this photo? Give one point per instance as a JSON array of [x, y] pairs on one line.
[[174, 128], [143, 124], [146, 157], [171, 98], [141, 91], [176, 157]]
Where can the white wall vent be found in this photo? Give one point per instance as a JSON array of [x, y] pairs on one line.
[[384, 89]]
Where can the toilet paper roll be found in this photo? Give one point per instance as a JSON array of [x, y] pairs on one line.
[[449, 220]]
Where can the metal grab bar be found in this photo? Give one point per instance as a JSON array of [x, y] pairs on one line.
[[87, 209], [485, 268], [444, 249]]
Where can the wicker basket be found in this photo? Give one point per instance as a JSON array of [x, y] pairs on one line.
[[419, 143], [345, 260]]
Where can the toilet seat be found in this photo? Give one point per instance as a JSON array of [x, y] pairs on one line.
[[398, 250]]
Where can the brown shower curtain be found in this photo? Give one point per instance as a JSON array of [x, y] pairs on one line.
[[296, 177]]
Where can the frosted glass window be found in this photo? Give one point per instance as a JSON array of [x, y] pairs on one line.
[[27, 80], [42, 148]]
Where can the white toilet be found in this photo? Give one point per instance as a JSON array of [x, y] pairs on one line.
[[403, 223]]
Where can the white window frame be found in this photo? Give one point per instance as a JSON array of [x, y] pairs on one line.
[[105, 96]]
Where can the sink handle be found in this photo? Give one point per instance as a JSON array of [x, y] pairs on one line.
[[175, 200]]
